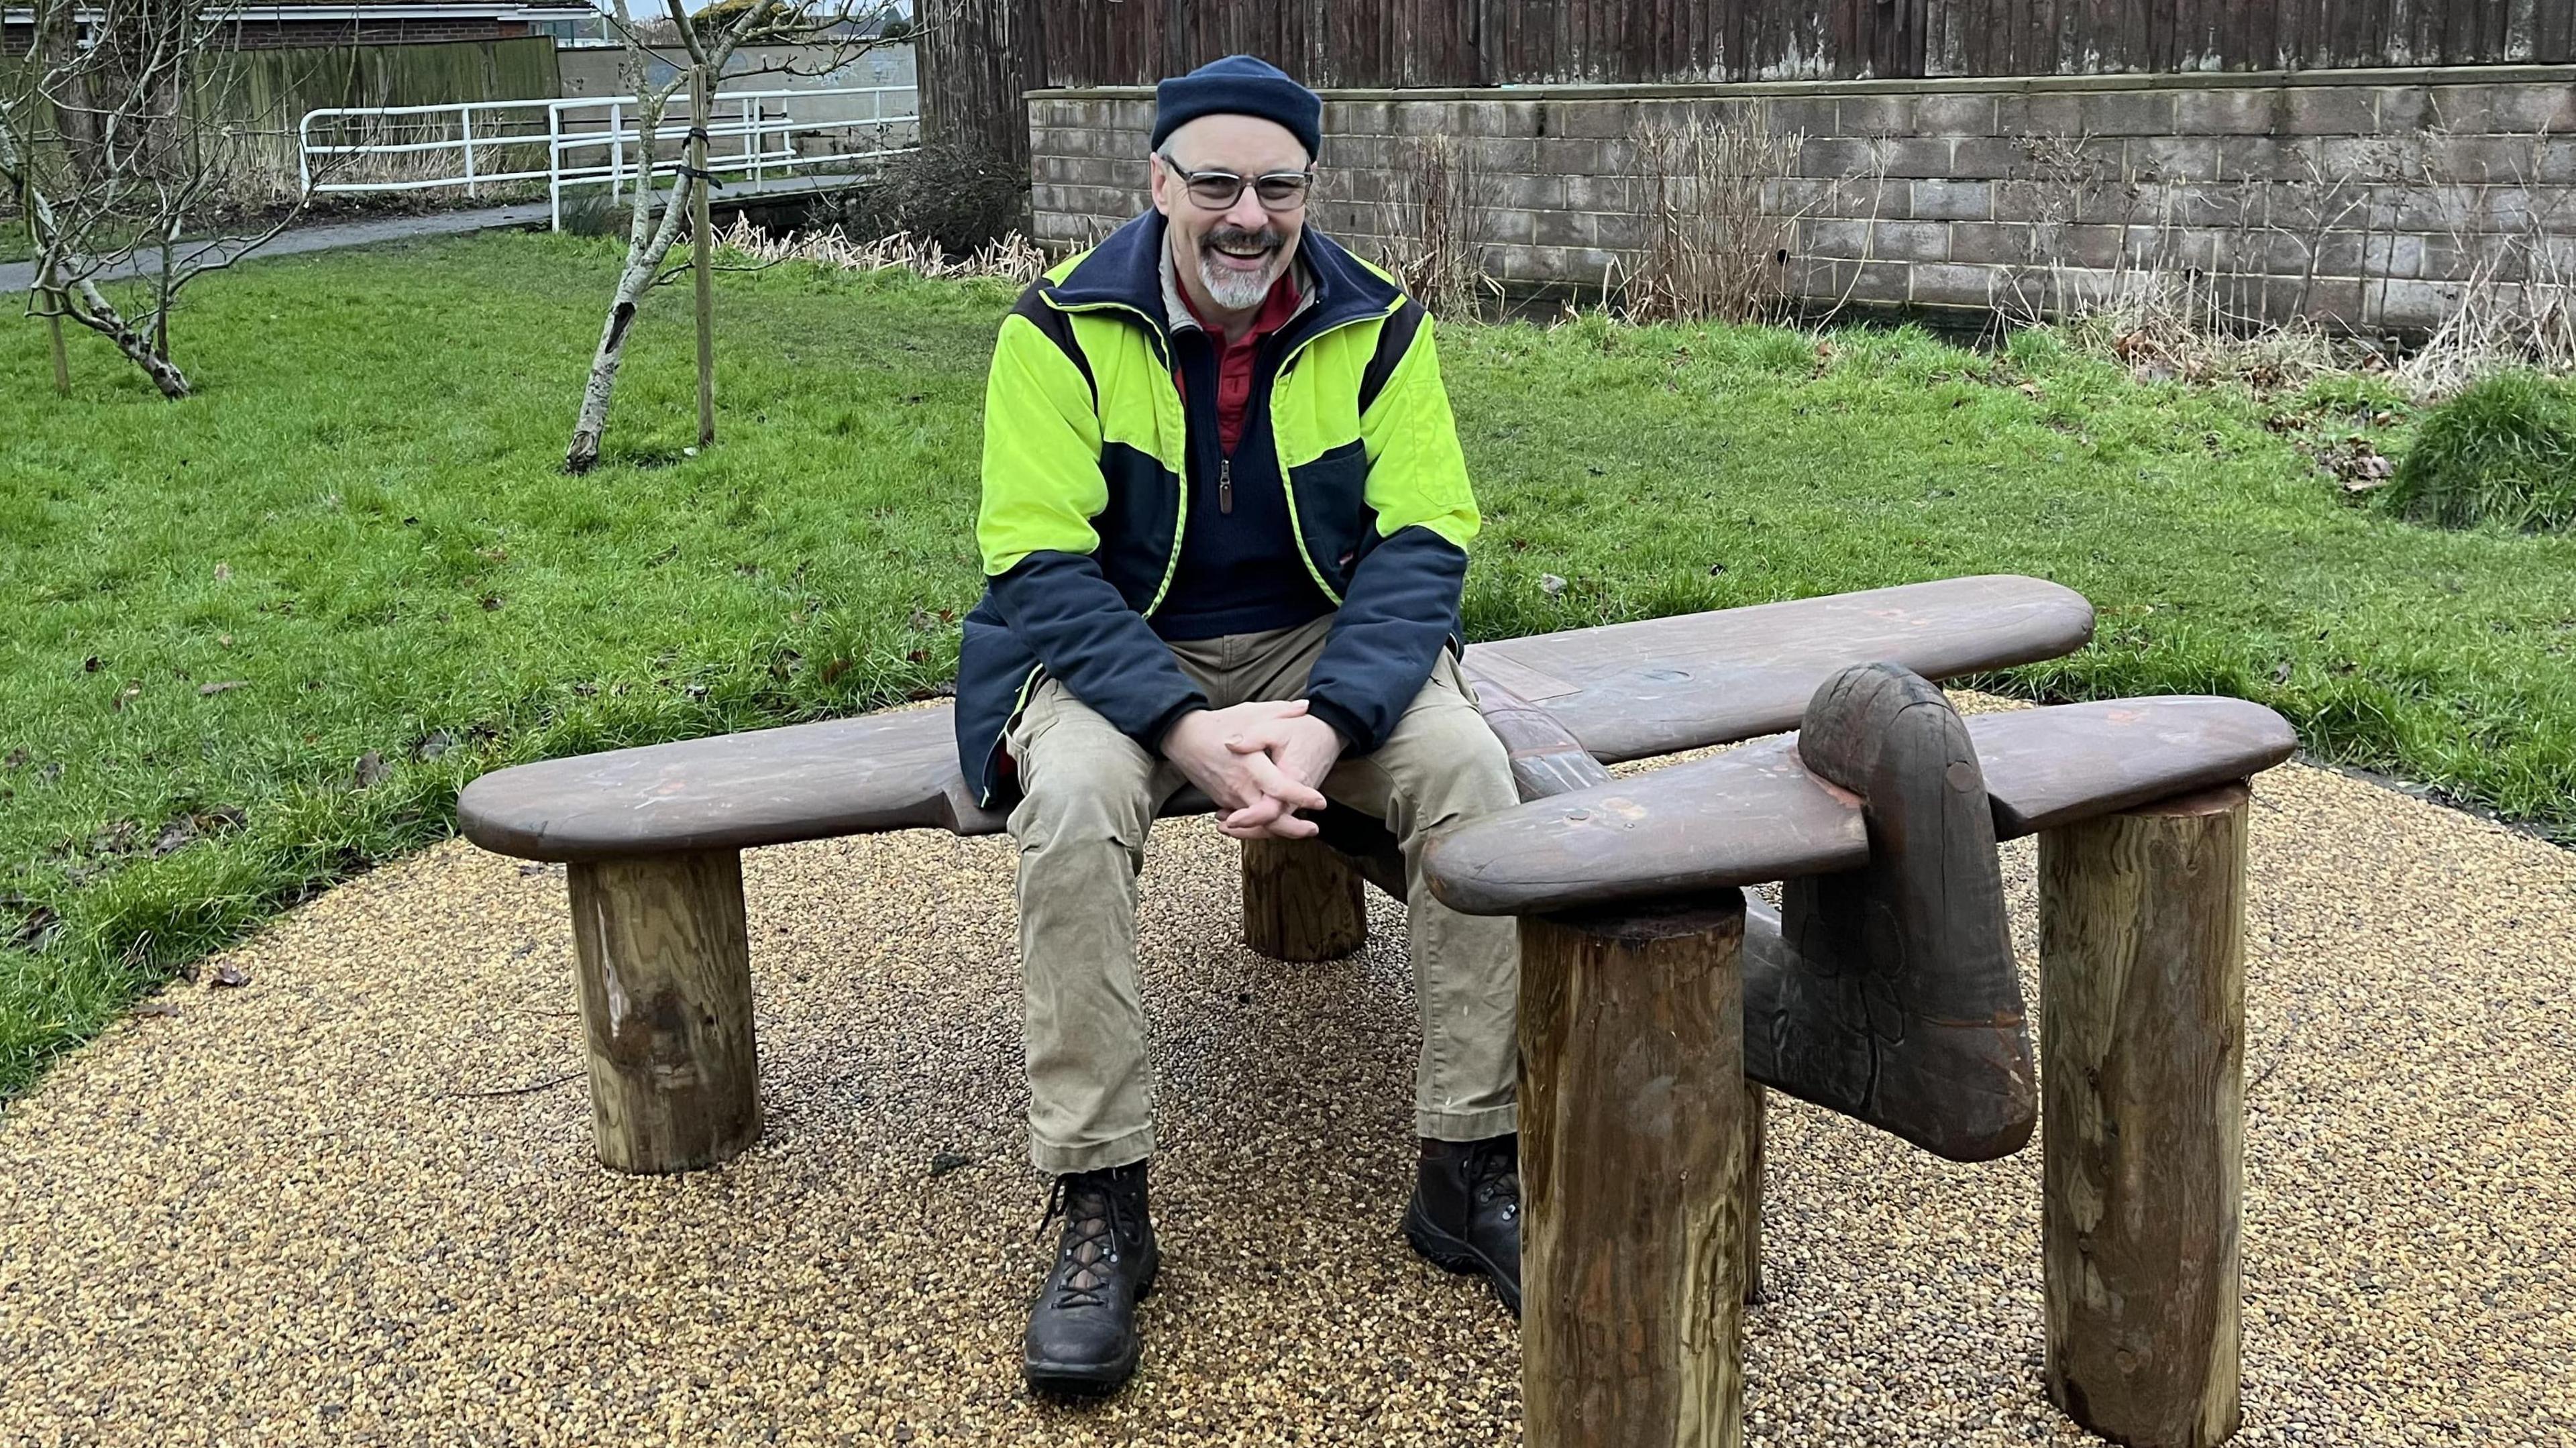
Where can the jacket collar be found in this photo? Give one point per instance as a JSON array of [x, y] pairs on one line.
[[1127, 271]]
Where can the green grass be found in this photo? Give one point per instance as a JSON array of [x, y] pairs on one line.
[[358, 530], [2502, 453]]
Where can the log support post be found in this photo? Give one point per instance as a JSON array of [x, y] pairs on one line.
[[1301, 901], [2142, 963], [665, 967], [1633, 1162]]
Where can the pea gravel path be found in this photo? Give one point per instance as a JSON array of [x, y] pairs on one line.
[[284, 1214]]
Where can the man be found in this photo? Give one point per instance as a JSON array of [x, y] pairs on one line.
[[1224, 524]]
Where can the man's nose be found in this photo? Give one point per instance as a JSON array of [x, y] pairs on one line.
[[1246, 212]]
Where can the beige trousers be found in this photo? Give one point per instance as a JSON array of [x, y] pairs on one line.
[[1091, 793]]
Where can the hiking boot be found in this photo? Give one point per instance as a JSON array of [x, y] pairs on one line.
[[1891, 994], [1082, 1336], [1466, 1211]]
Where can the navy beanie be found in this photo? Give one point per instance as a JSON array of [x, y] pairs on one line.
[[1239, 85]]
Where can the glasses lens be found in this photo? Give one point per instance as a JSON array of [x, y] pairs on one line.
[[1279, 193], [1215, 188]]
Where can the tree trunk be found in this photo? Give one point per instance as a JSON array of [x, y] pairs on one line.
[[647, 245], [665, 975], [702, 251], [1632, 1178], [1301, 901], [2142, 1027]]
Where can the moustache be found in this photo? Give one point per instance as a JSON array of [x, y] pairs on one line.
[[1244, 238]]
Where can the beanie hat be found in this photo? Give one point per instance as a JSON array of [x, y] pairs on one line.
[[1239, 85]]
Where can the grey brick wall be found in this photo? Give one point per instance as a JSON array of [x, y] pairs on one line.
[[2363, 198]]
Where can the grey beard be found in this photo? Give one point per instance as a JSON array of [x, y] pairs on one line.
[[1234, 291]]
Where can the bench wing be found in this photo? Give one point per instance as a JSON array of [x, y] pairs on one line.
[[1624, 691], [1660, 686], [860, 776], [1754, 814]]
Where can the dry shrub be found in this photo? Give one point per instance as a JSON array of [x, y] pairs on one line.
[[2209, 302], [1717, 237], [1012, 258], [1442, 202]]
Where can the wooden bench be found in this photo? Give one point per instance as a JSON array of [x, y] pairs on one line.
[[1640, 1143], [653, 835], [1634, 931]]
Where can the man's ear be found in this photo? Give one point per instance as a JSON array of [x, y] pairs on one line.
[[1161, 177]]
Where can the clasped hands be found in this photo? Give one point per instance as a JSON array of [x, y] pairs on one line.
[[1260, 763]]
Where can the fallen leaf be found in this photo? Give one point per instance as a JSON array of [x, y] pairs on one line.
[[90, 665], [223, 573], [436, 744], [155, 1008], [2281, 674], [17, 758], [948, 1161], [371, 770], [130, 691], [225, 686], [176, 835], [1715, 569], [1551, 585], [226, 975]]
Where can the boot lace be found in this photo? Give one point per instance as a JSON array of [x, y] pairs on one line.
[[1095, 1216], [1494, 1172]]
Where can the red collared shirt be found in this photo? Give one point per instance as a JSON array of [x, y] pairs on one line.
[[1234, 359]]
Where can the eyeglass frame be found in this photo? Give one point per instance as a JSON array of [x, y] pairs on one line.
[[1305, 185]]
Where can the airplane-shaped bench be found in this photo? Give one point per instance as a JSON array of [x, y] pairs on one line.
[[653, 837]]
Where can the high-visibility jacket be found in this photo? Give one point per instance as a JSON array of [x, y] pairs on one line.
[[1089, 464]]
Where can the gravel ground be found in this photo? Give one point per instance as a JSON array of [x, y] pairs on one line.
[[352, 1201]]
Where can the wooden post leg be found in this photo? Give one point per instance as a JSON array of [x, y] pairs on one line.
[[665, 968], [2142, 1029], [1632, 1177], [1750, 1213], [1301, 901]]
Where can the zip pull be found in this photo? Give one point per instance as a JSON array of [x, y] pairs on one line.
[[1225, 485]]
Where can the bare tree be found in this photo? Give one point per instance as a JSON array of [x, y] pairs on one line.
[[655, 221], [112, 157]]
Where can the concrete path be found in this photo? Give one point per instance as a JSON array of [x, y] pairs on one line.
[[353, 1201], [18, 276]]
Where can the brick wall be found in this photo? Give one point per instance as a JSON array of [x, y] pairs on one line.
[[2362, 198]]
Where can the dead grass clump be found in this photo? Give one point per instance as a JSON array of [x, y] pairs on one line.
[[1717, 235], [1012, 257]]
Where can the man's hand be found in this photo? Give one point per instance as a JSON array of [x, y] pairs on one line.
[[1205, 746], [1300, 750]]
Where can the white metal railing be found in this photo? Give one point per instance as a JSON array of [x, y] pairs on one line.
[[768, 140]]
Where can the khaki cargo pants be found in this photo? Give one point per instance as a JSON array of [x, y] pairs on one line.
[[1091, 793]]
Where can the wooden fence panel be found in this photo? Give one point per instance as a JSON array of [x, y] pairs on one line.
[[1373, 43]]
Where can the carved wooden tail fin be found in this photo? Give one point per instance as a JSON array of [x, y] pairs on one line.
[[1891, 996]]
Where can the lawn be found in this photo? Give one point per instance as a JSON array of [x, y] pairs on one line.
[[254, 642]]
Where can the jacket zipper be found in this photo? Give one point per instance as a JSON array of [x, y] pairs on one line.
[[1225, 484]]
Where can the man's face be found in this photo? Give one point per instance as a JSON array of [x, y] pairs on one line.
[[1235, 251]]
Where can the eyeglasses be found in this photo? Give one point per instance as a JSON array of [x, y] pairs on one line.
[[1279, 191]]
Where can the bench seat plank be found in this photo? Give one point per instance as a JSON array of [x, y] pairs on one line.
[[1660, 686], [1625, 691], [1754, 814]]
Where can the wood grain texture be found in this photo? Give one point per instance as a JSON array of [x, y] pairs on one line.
[[1619, 692], [1756, 1126], [2142, 1026], [1755, 814], [1632, 1178], [1898, 1003], [664, 963], [1301, 901]]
